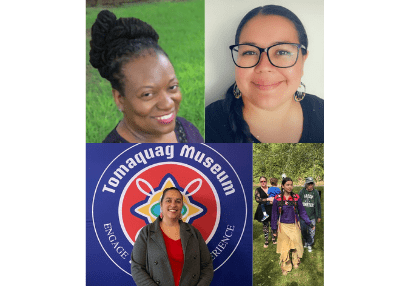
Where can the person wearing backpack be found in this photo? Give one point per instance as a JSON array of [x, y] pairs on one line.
[[286, 209]]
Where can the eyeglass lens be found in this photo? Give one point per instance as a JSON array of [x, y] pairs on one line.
[[283, 55]]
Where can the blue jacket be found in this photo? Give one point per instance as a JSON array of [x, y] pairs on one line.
[[273, 191]]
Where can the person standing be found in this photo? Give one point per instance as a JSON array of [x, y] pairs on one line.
[[272, 192], [311, 201], [262, 197], [287, 211], [170, 251]]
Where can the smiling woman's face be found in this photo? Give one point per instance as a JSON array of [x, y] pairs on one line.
[[172, 204], [151, 94], [265, 85], [288, 186]]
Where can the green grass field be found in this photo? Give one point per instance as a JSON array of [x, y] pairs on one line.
[[180, 26], [266, 269]]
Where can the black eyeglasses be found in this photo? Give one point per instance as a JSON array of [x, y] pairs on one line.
[[281, 55], [263, 181]]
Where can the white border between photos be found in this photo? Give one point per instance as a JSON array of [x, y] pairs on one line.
[[43, 150], [366, 153]]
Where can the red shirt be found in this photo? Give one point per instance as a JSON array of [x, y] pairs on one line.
[[175, 256]]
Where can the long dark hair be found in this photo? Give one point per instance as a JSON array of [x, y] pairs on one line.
[[282, 192], [233, 106], [115, 42]]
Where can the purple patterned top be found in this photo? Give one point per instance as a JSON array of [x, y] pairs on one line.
[[185, 131], [288, 214]]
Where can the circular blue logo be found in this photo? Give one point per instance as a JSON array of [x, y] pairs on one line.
[[127, 195]]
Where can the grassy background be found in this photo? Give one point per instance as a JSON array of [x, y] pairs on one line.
[[266, 269], [180, 26]]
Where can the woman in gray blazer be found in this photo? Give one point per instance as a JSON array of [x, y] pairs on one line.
[[169, 251]]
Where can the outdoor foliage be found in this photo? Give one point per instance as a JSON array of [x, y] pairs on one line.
[[93, 3], [180, 26], [266, 269], [297, 161]]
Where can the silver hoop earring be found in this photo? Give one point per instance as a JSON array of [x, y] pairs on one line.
[[236, 92], [299, 94]]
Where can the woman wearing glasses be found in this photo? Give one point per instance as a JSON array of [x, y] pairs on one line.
[[261, 197], [144, 85], [267, 102]]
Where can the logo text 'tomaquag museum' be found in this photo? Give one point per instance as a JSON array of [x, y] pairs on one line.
[[127, 196]]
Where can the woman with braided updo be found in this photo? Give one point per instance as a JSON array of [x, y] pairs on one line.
[[144, 85], [268, 102]]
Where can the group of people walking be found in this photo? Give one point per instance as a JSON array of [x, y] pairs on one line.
[[291, 217]]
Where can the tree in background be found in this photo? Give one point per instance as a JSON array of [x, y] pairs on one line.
[[297, 161]]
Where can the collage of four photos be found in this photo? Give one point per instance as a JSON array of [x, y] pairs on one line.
[[220, 109]]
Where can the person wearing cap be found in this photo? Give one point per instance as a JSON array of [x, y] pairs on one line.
[[311, 201]]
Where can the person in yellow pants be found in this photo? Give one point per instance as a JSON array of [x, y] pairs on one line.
[[286, 209]]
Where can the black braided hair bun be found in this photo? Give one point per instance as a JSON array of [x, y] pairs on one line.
[[111, 39]]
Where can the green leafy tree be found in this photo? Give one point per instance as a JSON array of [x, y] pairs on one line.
[[297, 161]]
